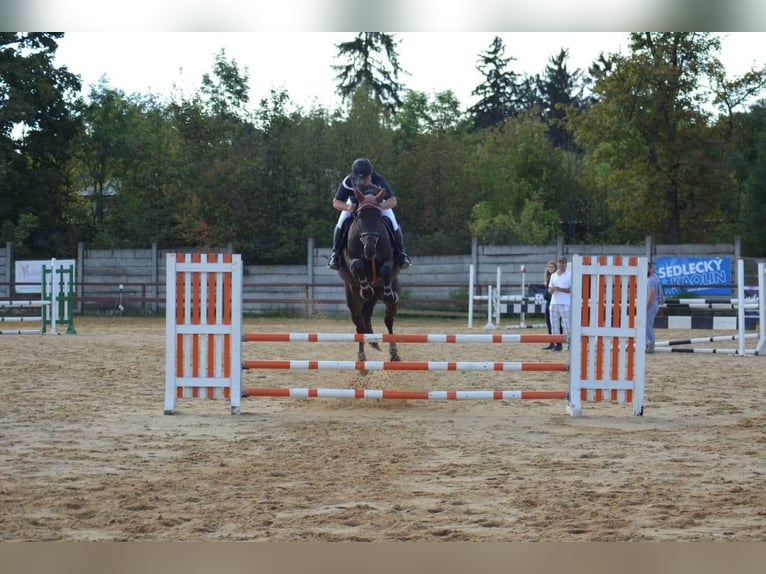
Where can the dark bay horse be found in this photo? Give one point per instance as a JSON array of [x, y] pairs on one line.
[[369, 268]]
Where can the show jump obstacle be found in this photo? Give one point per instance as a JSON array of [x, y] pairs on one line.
[[55, 306], [204, 340]]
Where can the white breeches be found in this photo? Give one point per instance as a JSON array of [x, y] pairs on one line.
[[344, 215]]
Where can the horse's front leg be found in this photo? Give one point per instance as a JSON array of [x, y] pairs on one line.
[[393, 350], [391, 300], [366, 290], [389, 295]]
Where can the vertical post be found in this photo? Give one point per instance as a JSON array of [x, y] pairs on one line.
[[489, 324], [154, 279], [761, 349], [741, 306], [79, 271], [470, 295], [55, 290], [499, 298], [310, 277], [67, 297], [523, 296]]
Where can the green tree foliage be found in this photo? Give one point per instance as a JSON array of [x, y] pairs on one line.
[[498, 91], [650, 149], [749, 163], [38, 120], [220, 194], [514, 168], [372, 60], [560, 90], [431, 181], [663, 139]]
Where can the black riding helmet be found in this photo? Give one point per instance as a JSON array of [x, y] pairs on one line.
[[361, 168]]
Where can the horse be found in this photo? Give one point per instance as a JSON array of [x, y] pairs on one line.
[[369, 267]]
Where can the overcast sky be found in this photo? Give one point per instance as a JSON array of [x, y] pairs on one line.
[[300, 62]]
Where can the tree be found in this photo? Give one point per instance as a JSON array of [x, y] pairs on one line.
[[372, 61], [515, 174], [650, 146], [748, 161], [496, 93], [227, 90], [430, 180], [559, 91], [38, 120], [102, 146]]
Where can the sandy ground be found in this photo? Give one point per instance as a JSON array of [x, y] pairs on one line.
[[87, 453]]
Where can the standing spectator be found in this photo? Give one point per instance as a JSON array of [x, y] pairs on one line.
[[560, 288], [550, 269], [654, 298]]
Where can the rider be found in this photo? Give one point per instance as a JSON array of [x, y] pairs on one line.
[[345, 202]]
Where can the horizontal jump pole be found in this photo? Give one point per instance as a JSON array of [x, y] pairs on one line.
[[402, 395], [703, 350], [713, 339], [18, 304], [20, 332], [12, 319], [403, 365], [506, 298], [714, 306], [711, 301], [398, 338]]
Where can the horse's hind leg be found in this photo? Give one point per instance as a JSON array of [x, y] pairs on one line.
[[357, 316]]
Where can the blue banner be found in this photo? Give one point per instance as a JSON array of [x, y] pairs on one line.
[[694, 276]]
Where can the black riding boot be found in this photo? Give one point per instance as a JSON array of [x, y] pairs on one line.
[[334, 261], [404, 259]]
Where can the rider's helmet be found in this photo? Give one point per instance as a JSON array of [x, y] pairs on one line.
[[361, 168]]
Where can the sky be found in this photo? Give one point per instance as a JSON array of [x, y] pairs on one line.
[[161, 62]]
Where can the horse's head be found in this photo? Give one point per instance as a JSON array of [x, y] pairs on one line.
[[368, 214]]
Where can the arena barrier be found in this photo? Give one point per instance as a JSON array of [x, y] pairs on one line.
[[55, 306], [740, 322], [204, 337]]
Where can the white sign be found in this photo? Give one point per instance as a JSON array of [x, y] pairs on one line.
[[29, 274]]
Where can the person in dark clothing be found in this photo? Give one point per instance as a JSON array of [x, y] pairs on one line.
[[344, 201]]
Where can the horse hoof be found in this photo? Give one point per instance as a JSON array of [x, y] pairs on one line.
[[366, 293], [395, 357]]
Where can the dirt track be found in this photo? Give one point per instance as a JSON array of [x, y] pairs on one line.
[[88, 455]]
